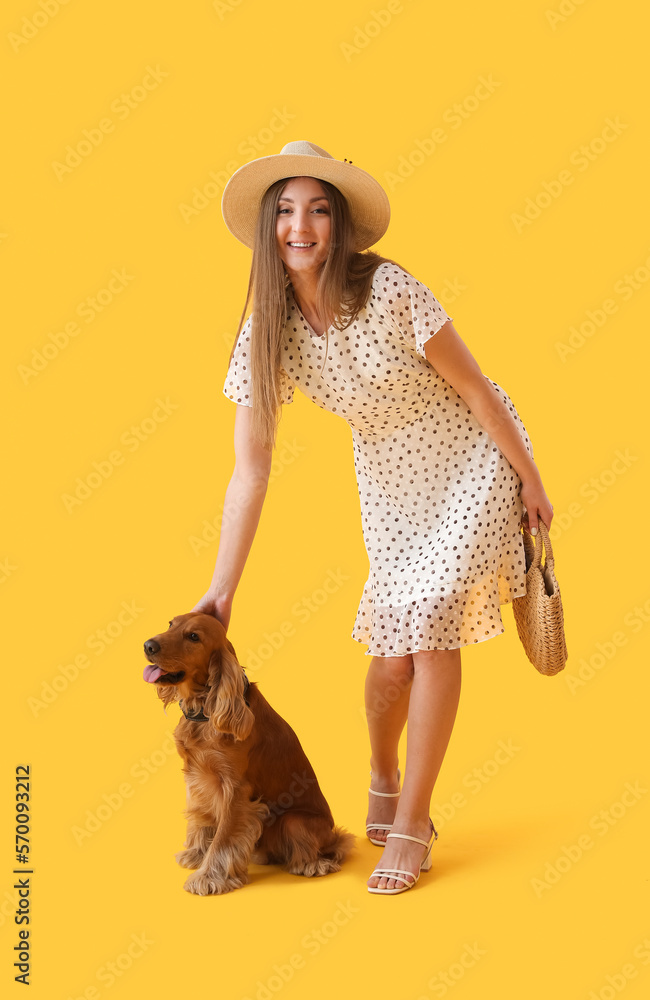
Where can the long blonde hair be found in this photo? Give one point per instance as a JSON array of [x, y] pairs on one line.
[[344, 285]]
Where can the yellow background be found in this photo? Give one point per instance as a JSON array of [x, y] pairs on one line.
[[223, 74]]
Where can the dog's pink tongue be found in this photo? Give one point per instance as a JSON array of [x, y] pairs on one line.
[[151, 673]]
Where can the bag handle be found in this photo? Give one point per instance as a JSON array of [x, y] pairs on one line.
[[534, 548]]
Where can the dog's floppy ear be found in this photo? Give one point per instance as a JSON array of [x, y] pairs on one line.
[[168, 693], [225, 703]]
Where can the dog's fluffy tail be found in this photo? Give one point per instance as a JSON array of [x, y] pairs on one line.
[[310, 847], [339, 847]]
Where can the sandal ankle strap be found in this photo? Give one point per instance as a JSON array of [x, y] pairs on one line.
[[406, 836], [388, 795]]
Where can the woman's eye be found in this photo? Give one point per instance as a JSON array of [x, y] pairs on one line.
[[281, 210]]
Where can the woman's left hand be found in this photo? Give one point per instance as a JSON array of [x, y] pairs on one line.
[[537, 505]]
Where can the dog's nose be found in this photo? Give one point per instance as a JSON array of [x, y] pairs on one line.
[[151, 647]]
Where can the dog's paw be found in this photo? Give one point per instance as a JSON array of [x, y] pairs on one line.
[[213, 884], [311, 869], [191, 858]]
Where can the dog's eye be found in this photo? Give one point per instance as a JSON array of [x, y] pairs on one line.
[[170, 624], [194, 637]]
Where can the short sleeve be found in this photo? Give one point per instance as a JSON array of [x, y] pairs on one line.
[[238, 384], [413, 308]]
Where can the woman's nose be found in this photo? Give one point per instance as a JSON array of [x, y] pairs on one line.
[[301, 222]]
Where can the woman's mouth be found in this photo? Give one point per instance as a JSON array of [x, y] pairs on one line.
[[301, 246]]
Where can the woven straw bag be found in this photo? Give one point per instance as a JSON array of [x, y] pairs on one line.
[[538, 614]]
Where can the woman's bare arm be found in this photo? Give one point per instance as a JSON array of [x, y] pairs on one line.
[[241, 513], [452, 359]]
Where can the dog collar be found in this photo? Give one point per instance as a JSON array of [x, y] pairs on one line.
[[200, 716]]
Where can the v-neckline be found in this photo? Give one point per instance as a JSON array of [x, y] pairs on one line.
[[306, 322]]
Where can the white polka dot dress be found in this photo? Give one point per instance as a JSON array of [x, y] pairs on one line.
[[440, 504]]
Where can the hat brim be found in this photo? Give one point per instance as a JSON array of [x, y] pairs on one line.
[[242, 195]]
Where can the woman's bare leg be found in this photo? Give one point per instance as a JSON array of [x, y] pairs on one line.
[[433, 702], [387, 698]]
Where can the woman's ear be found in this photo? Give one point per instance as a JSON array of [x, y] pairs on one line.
[[225, 704]]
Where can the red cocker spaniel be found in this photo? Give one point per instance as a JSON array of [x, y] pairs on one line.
[[252, 795]]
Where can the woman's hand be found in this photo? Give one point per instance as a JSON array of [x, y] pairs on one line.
[[210, 604], [537, 505]]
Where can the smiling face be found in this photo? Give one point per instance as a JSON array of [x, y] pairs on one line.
[[303, 225]]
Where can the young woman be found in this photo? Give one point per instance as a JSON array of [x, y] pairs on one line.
[[443, 461]]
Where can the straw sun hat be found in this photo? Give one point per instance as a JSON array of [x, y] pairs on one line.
[[367, 199]]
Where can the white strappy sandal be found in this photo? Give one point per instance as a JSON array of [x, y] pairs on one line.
[[397, 873], [382, 826]]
